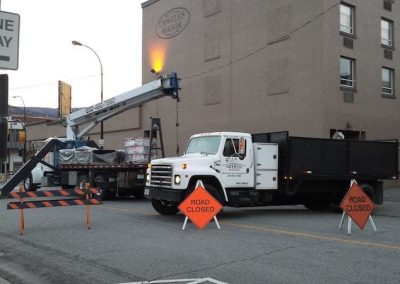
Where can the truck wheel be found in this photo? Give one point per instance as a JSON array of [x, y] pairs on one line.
[[83, 180], [164, 207], [28, 184], [104, 193], [368, 191], [214, 192]]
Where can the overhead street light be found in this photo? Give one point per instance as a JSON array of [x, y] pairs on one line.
[[23, 102], [74, 42]]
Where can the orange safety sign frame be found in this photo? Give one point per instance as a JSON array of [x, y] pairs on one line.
[[358, 207], [200, 207]]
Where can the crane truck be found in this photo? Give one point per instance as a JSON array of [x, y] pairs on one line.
[[45, 169], [243, 170]]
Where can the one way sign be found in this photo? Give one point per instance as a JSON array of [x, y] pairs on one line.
[[9, 40]]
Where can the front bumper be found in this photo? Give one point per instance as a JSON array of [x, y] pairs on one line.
[[166, 194]]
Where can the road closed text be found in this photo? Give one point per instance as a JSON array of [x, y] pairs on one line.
[[200, 206], [357, 204]]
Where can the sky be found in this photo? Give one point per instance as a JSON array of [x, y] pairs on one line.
[[46, 54]]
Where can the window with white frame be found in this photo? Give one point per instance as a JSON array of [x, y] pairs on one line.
[[347, 74], [346, 18], [386, 32], [387, 82]]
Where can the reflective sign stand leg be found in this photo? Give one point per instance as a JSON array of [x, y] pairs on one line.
[[186, 220], [184, 223], [348, 225], [342, 220], [217, 223], [372, 223]]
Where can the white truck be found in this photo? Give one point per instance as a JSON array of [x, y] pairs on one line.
[[243, 170]]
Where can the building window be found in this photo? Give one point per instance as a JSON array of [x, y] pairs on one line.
[[386, 32], [387, 5], [346, 19], [347, 72], [387, 82]]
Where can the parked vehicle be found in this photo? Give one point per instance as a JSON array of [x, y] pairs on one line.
[[243, 170]]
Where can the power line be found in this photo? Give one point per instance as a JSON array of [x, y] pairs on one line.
[[283, 38]]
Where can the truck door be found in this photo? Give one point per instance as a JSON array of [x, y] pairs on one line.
[[237, 163]]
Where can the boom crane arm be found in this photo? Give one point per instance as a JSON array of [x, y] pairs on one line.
[[165, 85]]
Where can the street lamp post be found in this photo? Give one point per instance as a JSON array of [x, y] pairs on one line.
[[74, 42], [23, 102]]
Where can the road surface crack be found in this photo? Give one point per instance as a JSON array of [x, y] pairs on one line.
[[224, 263]]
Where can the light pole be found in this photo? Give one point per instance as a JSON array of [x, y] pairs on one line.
[[23, 102], [74, 42]]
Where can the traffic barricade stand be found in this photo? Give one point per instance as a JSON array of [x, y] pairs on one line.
[[77, 196], [358, 207]]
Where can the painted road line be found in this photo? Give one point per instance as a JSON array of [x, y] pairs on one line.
[[142, 212], [310, 236]]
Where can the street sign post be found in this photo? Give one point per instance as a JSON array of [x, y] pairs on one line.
[[200, 207], [358, 206], [9, 40]]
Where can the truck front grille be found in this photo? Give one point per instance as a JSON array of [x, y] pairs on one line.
[[161, 175]]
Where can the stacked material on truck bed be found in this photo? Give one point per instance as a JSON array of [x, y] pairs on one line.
[[67, 156], [104, 156], [84, 155], [137, 149], [81, 155]]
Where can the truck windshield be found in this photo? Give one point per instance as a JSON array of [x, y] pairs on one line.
[[206, 145]]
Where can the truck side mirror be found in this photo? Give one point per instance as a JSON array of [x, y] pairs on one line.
[[242, 146]]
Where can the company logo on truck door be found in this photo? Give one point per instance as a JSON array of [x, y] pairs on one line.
[[172, 23], [234, 167]]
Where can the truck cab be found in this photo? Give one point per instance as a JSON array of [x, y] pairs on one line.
[[224, 161]]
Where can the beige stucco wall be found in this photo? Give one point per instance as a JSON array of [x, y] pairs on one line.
[[262, 66]]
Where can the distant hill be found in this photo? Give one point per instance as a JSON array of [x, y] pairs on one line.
[[35, 111]]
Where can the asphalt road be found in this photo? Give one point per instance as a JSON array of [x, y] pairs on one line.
[[129, 242]]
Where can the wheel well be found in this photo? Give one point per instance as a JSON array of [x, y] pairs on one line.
[[209, 180]]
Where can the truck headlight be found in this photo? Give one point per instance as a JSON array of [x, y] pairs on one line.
[[148, 177], [177, 179]]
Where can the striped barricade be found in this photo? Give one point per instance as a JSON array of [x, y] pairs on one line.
[[88, 196]]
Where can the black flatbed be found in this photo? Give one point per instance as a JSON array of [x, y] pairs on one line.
[[334, 159]]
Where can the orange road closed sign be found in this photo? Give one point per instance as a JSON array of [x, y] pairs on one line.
[[200, 207], [357, 205]]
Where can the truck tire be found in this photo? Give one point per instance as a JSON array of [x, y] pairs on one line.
[[368, 191], [164, 207], [214, 192], [82, 181], [210, 188], [104, 193], [28, 184]]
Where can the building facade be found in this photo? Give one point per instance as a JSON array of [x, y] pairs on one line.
[[311, 67]]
